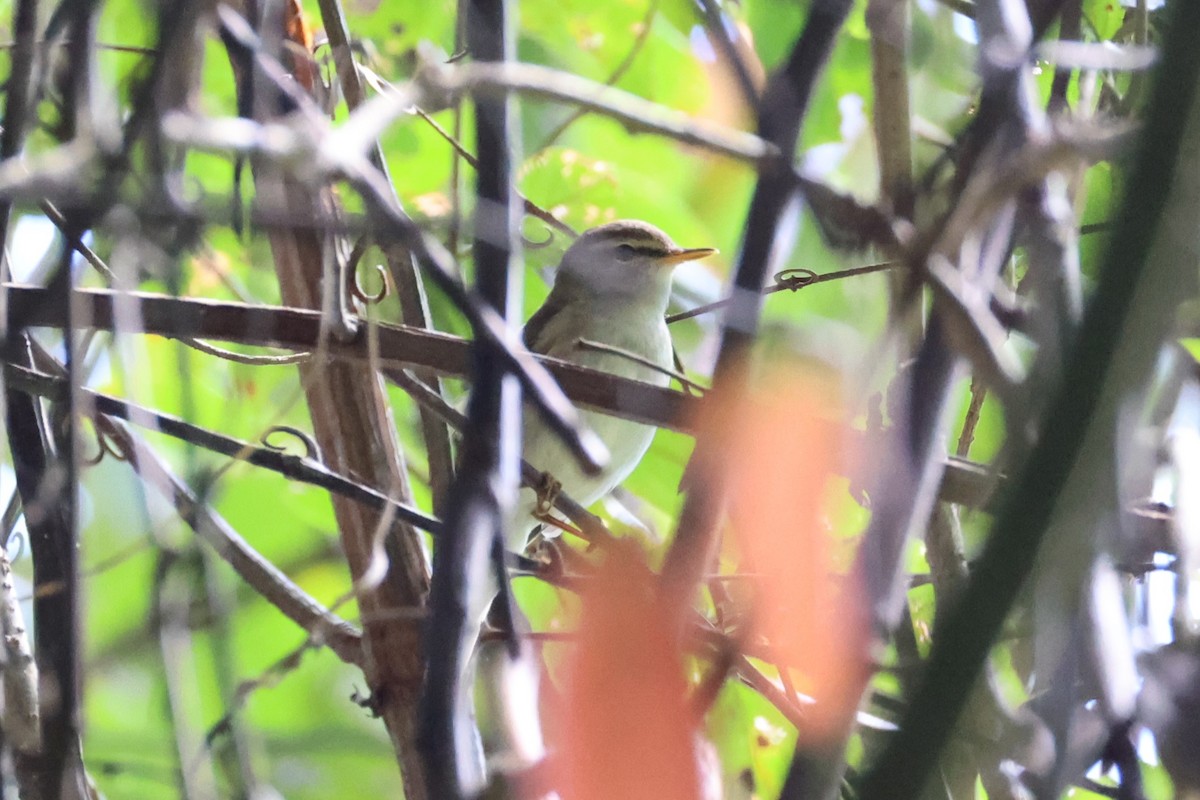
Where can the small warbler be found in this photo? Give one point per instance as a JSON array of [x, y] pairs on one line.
[[611, 290]]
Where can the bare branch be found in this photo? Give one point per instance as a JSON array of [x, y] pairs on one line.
[[306, 470], [401, 265], [437, 86], [400, 347], [263, 576]]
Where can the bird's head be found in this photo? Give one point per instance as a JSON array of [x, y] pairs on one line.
[[625, 259]]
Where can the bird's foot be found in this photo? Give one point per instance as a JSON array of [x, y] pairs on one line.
[[372, 702], [546, 489], [546, 551]]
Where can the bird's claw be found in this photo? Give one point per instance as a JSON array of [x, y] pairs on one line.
[[548, 553], [547, 490]]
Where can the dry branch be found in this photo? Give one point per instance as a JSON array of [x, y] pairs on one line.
[[264, 577], [401, 265], [398, 347], [353, 425]]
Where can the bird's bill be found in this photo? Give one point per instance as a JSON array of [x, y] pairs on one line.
[[687, 255]]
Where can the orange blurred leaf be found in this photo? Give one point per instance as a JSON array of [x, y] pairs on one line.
[[627, 729], [779, 456]]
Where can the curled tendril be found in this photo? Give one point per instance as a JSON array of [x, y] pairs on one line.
[[116, 448], [311, 449], [795, 278], [106, 445], [354, 285], [101, 450], [355, 256], [367, 298], [21, 539], [531, 244]]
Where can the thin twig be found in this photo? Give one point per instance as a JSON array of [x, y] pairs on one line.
[[591, 527], [241, 358], [790, 280], [267, 678], [116, 559], [293, 467], [757, 680], [263, 576], [643, 35], [90, 255], [967, 436], [115, 48], [531, 208], [714, 22], [173, 594], [77, 244], [600, 347], [440, 85]]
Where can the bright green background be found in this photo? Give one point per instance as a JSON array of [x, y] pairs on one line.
[[306, 738]]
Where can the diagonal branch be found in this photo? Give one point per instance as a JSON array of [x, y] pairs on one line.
[[263, 576], [781, 112], [305, 469]]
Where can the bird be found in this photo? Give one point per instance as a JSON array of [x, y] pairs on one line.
[[611, 289]]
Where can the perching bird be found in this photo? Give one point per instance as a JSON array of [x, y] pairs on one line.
[[611, 289]]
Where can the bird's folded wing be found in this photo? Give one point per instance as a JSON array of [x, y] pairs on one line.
[[536, 326]]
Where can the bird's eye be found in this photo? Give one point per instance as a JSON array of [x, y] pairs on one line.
[[624, 252]]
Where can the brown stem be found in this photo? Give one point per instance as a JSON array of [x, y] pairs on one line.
[[353, 425]]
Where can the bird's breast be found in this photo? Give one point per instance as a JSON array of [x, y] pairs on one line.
[[627, 331], [624, 334]]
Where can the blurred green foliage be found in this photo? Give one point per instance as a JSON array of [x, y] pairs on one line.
[[304, 735]]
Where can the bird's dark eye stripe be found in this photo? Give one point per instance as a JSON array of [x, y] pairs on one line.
[[635, 241], [653, 252]]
